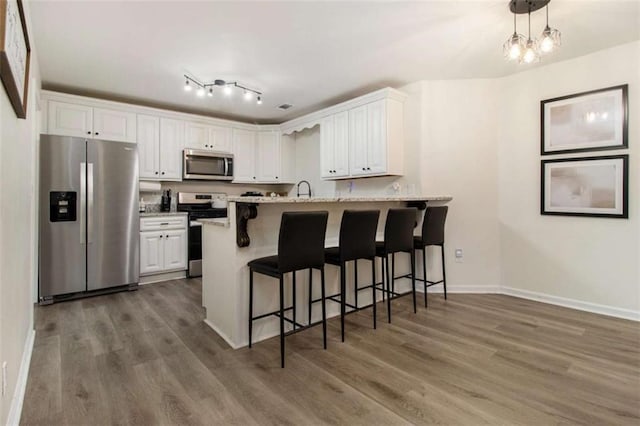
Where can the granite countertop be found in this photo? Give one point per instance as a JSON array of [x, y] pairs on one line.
[[344, 199], [221, 221], [155, 214]]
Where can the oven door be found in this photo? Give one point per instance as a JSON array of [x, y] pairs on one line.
[[207, 165], [195, 249]]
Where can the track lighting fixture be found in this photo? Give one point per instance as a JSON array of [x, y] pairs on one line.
[[227, 88], [528, 50]]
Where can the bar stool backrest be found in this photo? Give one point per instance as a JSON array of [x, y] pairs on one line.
[[301, 241], [433, 226], [398, 230], [358, 234]]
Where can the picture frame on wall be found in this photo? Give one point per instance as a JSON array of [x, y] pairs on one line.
[[587, 186], [589, 121], [15, 54]]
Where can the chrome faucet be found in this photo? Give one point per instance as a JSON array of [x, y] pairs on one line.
[[308, 186]]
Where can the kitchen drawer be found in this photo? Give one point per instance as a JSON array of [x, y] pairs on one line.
[[158, 223]]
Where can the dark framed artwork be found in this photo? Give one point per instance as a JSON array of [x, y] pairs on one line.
[[588, 186], [15, 54], [589, 121]]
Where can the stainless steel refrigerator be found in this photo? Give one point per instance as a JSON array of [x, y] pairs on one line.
[[89, 221]]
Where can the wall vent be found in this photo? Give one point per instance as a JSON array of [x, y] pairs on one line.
[[285, 107]]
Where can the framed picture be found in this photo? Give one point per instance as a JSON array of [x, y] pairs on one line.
[[15, 54], [588, 121], [589, 186]]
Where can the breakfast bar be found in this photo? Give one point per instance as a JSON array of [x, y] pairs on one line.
[[251, 231]]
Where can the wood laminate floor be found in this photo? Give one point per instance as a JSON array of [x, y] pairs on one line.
[[146, 357]]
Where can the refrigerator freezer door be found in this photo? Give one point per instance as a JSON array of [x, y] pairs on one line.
[[113, 223], [62, 250]]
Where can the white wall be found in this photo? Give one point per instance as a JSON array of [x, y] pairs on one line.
[[459, 158], [589, 261], [17, 238]]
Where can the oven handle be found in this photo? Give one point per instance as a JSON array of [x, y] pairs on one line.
[[226, 167], [194, 223]]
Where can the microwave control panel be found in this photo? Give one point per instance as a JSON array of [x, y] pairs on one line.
[[62, 206]]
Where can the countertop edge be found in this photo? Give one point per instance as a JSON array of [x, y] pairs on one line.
[[293, 200]]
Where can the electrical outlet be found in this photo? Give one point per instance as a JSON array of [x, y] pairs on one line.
[[459, 255], [4, 378]]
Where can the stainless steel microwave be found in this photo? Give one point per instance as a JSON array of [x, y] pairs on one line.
[[199, 164]]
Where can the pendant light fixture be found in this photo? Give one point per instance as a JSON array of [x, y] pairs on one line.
[[550, 38], [530, 54], [203, 89], [514, 46], [527, 51]]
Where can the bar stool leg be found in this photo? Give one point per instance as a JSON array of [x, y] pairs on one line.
[[282, 321], [383, 275], [373, 290], [293, 296], [250, 304], [324, 311], [424, 271], [444, 275], [413, 278], [355, 282], [393, 273], [310, 293], [342, 297], [386, 257]]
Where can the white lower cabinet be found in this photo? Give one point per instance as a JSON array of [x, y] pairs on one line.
[[163, 244]]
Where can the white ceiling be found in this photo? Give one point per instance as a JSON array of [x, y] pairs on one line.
[[309, 54]]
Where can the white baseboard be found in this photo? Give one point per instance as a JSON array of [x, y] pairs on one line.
[[15, 411], [572, 303], [474, 289], [167, 276]]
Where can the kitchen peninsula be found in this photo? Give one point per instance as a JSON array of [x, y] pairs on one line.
[[251, 231]]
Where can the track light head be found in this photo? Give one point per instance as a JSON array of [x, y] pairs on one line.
[[259, 100], [187, 86]]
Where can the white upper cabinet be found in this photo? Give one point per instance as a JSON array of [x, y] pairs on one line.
[[376, 139], [196, 136], [244, 156], [68, 119], [220, 138], [160, 142], [358, 141], [204, 136], [114, 125], [268, 156], [334, 146], [171, 146], [149, 146]]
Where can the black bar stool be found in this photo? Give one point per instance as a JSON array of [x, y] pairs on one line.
[[398, 238], [300, 246], [432, 235], [357, 241]]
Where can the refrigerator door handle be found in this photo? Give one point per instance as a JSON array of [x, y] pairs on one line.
[[89, 203], [83, 201]]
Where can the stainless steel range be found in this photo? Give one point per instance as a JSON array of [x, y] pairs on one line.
[[200, 205]]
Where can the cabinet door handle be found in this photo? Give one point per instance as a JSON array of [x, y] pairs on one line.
[[166, 236], [368, 168], [276, 177], [160, 236], [156, 172], [164, 223], [162, 173], [88, 133], [97, 133], [254, 177]]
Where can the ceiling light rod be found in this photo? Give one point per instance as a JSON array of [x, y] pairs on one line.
[[220, 83]]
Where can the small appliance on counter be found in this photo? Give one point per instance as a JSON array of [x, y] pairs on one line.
[[165, 201], [198, 206], [252, 194]]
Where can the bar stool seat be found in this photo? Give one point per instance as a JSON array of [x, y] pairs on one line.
[[266, 265]]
